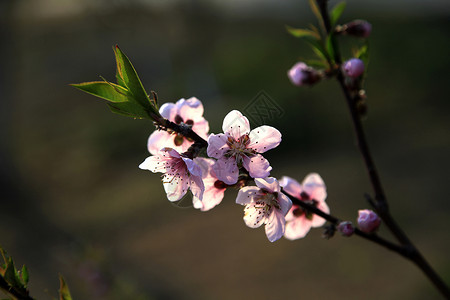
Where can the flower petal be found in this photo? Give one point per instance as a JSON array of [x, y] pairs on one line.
[[160, 139], [197, 186], [217, 145], [297, 228], [235, 124], [155, 163], [254, 215], [264, 138], [193, 168], [201, 127], [291, 186], [319, 221], [168, 111], [176, 186], [226, 170], [211, 197], [247, 194], [257, 166], [314, 186], [275, 226], [285, 203], [270, 184], [190, 109]]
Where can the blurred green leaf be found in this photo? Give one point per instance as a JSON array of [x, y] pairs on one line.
[[363, 53], [302, 33], [105, 90], [336, 13], [315, 9], [330, 47], [64, 293], [25, 275], [12, 276], [319, 64]]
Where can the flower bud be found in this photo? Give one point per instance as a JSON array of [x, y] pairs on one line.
[[346, 228], [301, 74], [353, 67], [358, 28], [368, 220]]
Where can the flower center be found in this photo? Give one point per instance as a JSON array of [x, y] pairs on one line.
[[179, 138], [238, 148]]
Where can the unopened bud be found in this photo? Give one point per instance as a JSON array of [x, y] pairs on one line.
[[368, 220], [358, 28], [301, 74], [353, 67], [346, 228]]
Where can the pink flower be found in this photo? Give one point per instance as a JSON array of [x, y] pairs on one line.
[[189, 112], [368, 220], [313, 191], [214, 188], [180, 173], [265, 204], [239, 147]]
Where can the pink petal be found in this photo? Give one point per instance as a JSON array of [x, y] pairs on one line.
[[257, 166], [290, 215], [201, 127], [270, 184], [264, 138], [285, 203], [176, 187], [197, 187], [205, 165], [168, 111], [319, 221], [154, 163], [170, 152], [190, 109], [247, 194], [212, 195], [314, 186], [275, 226], [160, 139], [193, 168], [226, 170], [217, 145], [235, 124], [291, 186], [297, 229]]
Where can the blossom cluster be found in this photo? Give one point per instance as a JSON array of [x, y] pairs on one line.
[[234, 160]]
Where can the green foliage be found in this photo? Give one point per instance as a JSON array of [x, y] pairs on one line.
[[15, 280], [64, 293], [336, 13], [313, 38], [128, 97], [362, 53]]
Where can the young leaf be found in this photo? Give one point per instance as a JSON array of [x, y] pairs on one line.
[[64, 293], [336, 13], [302, 33], [11, 275], [363, 54], [128, 76], [315, 9], [25, 275], [330, 46], [105, 90]]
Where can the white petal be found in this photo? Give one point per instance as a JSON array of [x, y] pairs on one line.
[[254, 215], [275, 226], [154, 163], [264, 138], [257, 166], [217, 145], [314, 186], [235, 124], [291, 186], [176, 187], [270, 184], [247, 194], [285, 203], [226, 170]]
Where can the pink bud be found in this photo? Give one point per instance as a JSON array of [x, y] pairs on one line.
[[368, 220], [358, 28], [354, 67], [301, 74], [346, 228]]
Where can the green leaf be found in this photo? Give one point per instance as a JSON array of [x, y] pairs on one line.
[[315, 9], [64, 293], [25, 276], [330, 46], [302, 33], [105, 90], [319, 64], [128, 109], [11, 275], [363, 53], [127, 75], [336, 13]]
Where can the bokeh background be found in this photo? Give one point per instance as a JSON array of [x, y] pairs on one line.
[[73, 201]]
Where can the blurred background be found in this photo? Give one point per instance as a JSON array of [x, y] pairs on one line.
[[75, 203]]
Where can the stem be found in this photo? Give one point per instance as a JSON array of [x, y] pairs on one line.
[[15, 293], [381, 205]]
